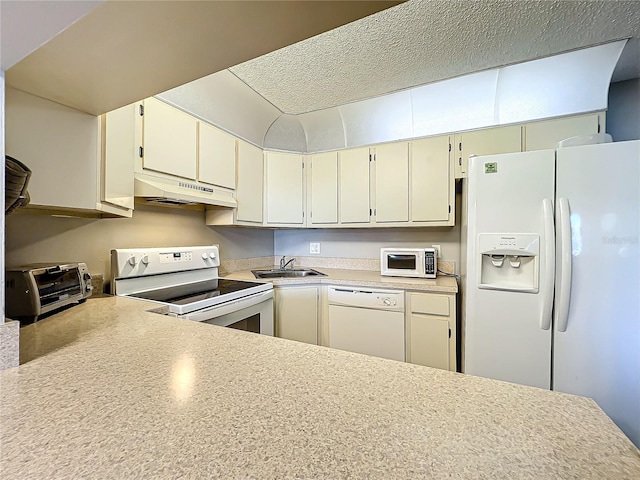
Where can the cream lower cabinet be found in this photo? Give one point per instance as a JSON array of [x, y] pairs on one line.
[[431, 330], [296, 313], [78, 166], [547, 133], [284, 189], [490, 141]]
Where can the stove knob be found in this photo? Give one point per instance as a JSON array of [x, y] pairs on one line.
[[145, 259], [204, 256], [132, 260], [212, 255]]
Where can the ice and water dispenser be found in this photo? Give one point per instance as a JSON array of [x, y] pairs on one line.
[[509, 262]]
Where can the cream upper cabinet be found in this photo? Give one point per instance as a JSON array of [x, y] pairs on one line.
[[490, 141], [323, 170], [120, 140], [216, 157], [354, 172], [296, 313], [431, 330], [284, 188], [392, 182], [250, 186], [63, 149], [432, 182], [546, 134], [169, 140]]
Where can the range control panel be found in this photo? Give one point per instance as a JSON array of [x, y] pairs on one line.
[[173, 257], [137, 262]]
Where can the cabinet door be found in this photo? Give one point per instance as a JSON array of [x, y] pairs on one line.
[[284, 188], [250, 183], [354, 185], [324, 188], [431, 330], [491, 141], [119, 154], [297, 313], [392, 182], [431, 182], [216, 157], [169, 137], [429, 341], [546, 134]]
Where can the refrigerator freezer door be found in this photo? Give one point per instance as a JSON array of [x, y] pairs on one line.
[[506, 337], [598, 353]]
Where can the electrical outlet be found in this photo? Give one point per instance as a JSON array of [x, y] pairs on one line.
[[437, 247], [314, 248]]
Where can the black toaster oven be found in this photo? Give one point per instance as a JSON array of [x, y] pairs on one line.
[[35, 290]]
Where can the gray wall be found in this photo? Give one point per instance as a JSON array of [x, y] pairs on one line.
[[34, 238], [623, 114], [366, 243]]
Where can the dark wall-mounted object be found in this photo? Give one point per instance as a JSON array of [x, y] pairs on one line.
[[17, 176]]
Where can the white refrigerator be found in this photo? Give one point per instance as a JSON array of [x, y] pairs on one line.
[[552, 288]]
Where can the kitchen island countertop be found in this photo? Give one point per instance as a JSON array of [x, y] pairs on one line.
[[364, 278], [108, 390]]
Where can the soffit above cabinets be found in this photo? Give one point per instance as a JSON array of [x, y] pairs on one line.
[[421, 42], [25, 26], [123, 51]]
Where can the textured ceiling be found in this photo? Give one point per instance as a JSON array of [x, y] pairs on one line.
[[421, 42]]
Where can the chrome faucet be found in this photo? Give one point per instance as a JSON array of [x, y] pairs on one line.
[[283, 263]]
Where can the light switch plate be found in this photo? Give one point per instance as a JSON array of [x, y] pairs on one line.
[[437, 247], [314, 248]]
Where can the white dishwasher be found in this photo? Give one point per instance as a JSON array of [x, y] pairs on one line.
[[367, 321]]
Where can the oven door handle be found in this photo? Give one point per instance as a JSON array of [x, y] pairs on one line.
[[229, 307]]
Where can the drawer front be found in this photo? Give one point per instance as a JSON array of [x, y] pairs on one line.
[[430, 304]]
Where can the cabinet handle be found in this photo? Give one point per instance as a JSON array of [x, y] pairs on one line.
[[460, 161]]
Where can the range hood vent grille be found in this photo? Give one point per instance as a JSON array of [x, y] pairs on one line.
[[170, 201]]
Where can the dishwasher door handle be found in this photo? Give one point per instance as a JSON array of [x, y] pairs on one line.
[[348, 290]]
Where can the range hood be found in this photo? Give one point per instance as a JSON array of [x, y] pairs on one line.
[[167, 191]]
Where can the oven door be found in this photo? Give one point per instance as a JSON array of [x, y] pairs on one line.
[[253, 313]]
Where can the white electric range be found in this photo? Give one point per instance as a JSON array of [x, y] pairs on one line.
[[185, 282]]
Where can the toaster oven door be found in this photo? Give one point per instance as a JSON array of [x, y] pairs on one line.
[[57, 285]]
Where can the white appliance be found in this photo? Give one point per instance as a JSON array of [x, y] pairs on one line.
[[367, 321], [184, 282], [552, 274], [409, 262]]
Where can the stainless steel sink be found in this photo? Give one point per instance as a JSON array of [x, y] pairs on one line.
[[288, 273]]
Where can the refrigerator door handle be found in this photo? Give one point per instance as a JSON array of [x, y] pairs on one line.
[[564, 281], [549, 264]]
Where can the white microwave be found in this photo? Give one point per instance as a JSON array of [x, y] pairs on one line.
[[409, 262]]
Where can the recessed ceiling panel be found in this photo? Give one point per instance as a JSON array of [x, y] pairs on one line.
[[421, 42]]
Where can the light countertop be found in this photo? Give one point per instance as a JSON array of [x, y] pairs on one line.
[[108, 390], [365, 278]]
